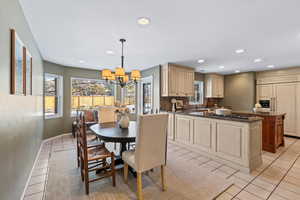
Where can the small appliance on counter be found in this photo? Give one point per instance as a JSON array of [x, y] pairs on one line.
[[267, 105], [257, 108]]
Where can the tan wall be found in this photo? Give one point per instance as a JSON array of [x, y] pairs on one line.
[[57, 126], [239, 91], [21, 120]]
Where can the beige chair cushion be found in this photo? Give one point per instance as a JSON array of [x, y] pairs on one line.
[[151, 142], [107, 114], [129, 157]]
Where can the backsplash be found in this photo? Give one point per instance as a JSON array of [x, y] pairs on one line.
[[165, 103]]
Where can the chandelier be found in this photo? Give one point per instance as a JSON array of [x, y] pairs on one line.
[[119, 77]]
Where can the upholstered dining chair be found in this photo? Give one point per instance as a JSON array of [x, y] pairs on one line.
[[151, 147]]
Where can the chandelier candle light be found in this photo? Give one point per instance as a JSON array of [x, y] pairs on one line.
[[120, 77]]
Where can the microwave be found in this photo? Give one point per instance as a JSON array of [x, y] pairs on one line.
[[267, 104]]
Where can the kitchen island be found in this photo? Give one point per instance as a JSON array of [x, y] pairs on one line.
[[272, 128], [232, 140]]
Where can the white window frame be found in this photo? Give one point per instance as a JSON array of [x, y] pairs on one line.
[[202, 99], [123, 96], [73, 114], [148, 79], [59, 88]]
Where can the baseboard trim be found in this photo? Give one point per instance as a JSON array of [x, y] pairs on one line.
[[54, 137], [31, 171], [36, 159]]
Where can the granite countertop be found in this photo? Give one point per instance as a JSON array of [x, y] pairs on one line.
[[248, 119], [245, 112]]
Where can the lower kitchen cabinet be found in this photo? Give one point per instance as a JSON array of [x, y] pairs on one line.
[[238, 143], [171, 126], [183, 128], [203, 134]]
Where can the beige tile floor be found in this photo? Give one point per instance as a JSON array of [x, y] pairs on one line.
[[277, 179], [189, 176]]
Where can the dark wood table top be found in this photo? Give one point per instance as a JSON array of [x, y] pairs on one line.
[[111, 132]]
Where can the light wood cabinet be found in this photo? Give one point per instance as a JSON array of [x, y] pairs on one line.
[[214, 86], [285, 102], [171, 126], [264, 92], [285, 96], [203, 134], [177, 81], [237, 143], [183, 128]]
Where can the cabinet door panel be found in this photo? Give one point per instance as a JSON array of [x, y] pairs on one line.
[[164, 81], [286, 103], [190, 83], [264, 91], [202, 134], [220, 87], [171, 127], [183, 129], [173, 82], [229, 141]]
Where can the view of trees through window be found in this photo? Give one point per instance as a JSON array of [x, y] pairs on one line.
[[52, 95], [89, 93], [198, 97]]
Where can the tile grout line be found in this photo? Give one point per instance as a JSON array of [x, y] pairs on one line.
[[284, 176], [47, 174], [233, 174], [243, 188], [218, 168]]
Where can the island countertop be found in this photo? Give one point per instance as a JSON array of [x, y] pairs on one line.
[[237, 118], [245, 112]]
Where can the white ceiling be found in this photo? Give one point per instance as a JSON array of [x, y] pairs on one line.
[[181, 31]]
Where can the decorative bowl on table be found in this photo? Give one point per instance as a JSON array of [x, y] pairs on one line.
[[223, 111]]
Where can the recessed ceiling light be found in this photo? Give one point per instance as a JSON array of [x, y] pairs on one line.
[[257, 60], [237, 71], [81, 61], [110, 52], [238, 51], [270, 66], [201, 61], [221, 67], [143, 21]]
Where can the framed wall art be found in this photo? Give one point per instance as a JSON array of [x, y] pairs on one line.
[[18, 66], [28, 72]]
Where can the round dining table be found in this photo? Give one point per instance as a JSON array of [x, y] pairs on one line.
[[111, 132]]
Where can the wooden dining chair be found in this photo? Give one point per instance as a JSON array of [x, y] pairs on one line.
[[150, 149], [91, 117], [94, 159], [92, 142]]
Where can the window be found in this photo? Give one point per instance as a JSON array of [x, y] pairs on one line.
[[53, 96], [129, 97], [198, 97], [91, 93]]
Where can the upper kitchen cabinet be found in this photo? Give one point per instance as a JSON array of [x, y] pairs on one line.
[[177, 81], [214, 86]]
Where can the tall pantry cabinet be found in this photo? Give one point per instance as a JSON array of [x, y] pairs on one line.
[[284, 90]]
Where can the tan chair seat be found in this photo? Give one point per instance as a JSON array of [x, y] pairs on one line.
[[129, 157]]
